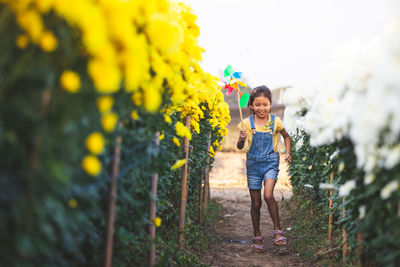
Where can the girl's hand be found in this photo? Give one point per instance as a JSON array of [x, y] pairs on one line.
[[288, 157], [243, 135]]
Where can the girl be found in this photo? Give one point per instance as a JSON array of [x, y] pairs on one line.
[[262, 130]]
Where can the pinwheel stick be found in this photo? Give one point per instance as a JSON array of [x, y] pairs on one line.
[[240, 110]]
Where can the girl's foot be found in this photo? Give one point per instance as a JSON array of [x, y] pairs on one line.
[[280, 238], [257, 246]]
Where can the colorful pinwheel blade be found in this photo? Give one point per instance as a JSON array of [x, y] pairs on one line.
[[228, 71], [242, 84], [221, 75], [230, 90], [244, 100], [237, 75]]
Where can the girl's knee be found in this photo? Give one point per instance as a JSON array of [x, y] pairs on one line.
[[269, 198], [256, 205]]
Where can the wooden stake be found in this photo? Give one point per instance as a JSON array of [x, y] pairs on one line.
[[360, 248], [111, 203], [240, 110], [184, 189], [345, 245], [311, 206], [153, 209], [201, 200], [206, 197], [330, 210]]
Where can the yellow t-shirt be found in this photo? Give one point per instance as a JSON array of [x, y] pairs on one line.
[[278, 126]]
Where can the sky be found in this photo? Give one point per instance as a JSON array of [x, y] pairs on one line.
[[283, 42]]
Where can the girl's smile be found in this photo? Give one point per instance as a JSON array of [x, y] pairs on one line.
[[261, 106]]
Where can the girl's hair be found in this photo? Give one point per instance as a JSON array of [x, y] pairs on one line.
[[258, 91]]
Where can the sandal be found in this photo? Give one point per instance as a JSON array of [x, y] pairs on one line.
[[255, 247], [279, 239]]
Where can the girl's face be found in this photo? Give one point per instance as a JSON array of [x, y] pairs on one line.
[[261, 106]]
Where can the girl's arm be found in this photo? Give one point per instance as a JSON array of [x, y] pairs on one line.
[[242, 139], [286, 138]]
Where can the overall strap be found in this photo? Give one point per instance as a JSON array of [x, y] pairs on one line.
[[253, 126], [273, 123]]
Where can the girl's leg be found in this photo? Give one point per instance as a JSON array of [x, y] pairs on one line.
[[255, 195], [269, 186]]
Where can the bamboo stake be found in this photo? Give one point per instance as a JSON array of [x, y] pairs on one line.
[[345, 245], [201, 201], [184, 189], [360, 248], [206, 197], [153, 209], [330, 210], [240, 110], [111, 203]]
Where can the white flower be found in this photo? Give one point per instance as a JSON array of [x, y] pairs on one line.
[[299, 144], [362, 210], [369, 178], [308, 186], [334, 154], [345, 189], [325, 186], [388, 189], [341, 166]]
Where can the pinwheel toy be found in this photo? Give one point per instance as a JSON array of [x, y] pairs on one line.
[[230, 80]]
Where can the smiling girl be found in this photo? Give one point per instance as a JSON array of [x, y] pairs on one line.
[[262, 131]]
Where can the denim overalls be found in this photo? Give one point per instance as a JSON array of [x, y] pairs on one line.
[[262, 162]]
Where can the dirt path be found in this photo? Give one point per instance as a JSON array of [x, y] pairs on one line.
[[228, 187]]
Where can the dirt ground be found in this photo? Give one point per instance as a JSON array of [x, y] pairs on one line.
[[233, 245]]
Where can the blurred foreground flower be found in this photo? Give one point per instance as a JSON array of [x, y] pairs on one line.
[[22, 41], [388, 189], [91, 165], [105, 104], [178, 164], [95, 143], [70, 81], [157, 221], [325, 186], [345, 189], [48, 42], [73, 203], [176, 141], [109, 121]]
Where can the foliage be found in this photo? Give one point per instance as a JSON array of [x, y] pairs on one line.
[[366, 211], [72, 81]]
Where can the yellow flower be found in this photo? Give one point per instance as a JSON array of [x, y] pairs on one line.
[[176, 141], [212, 152], [73, 203], [44, 5], [70, 81], [178, 164], [106, 76], [152, 99], [167, 119], [161, 136], [95, 143], [109, 121], [91, 165], [22, 41], [182, 130], [48, 42], [105, 104], [134, 115], [32, 23], [157, 221]]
